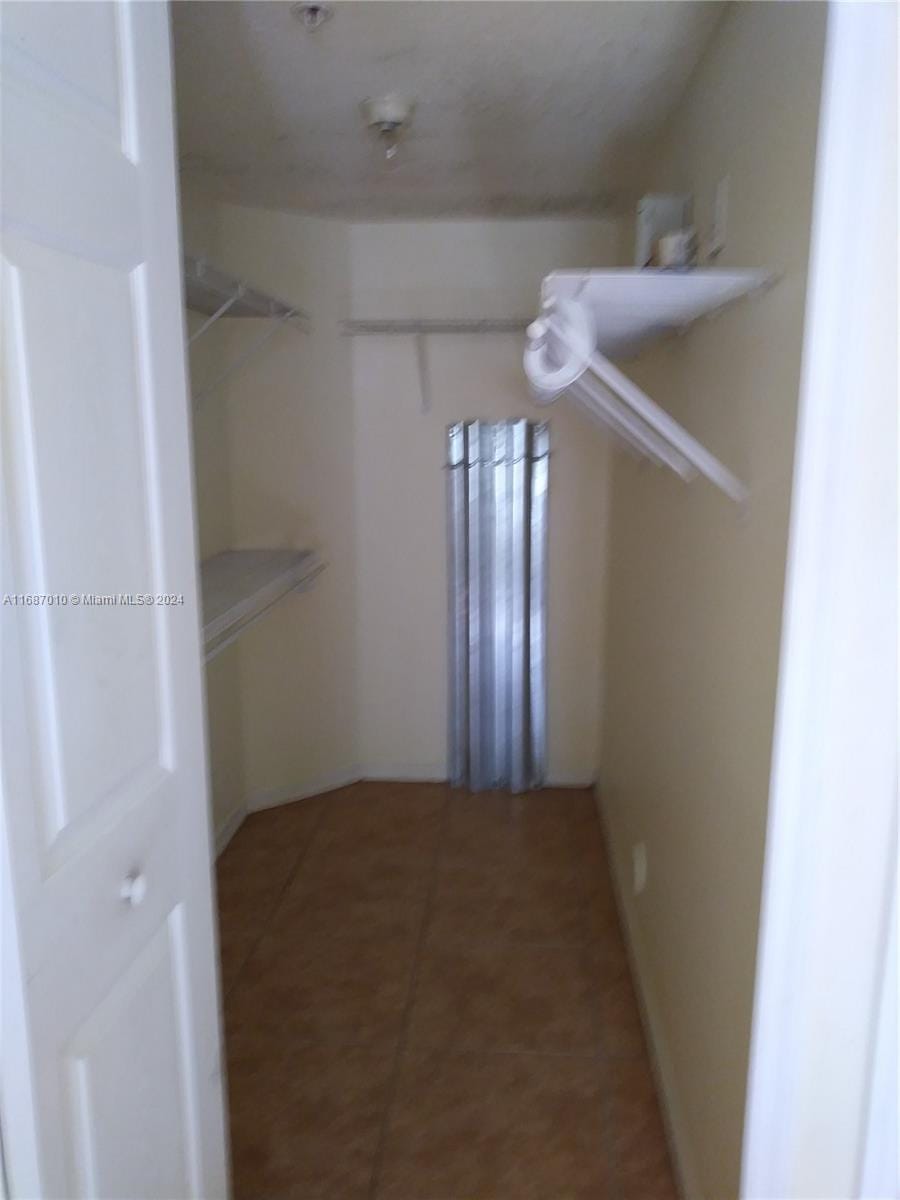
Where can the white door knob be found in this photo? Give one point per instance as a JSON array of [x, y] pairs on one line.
[[134, 888]]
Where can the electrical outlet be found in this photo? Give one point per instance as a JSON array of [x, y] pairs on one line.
[[638, 867]]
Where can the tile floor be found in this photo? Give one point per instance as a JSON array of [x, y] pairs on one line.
[[427, 998]]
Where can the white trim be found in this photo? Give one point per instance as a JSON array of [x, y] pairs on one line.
[[574, 782], [878, 1177], [395, 773], [229, 827], [831, 846], [406, 773], [274, 797], [672, 1109], [437, 773], [21, 1165]]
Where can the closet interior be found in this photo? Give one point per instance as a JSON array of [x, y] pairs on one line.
[[397, 219]]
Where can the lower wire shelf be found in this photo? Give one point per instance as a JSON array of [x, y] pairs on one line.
[[240, 586]]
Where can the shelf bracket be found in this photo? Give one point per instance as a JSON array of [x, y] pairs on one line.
[[232, 635], [220, 312], [419, 328], [608, 395], [424, 379], [678, 439], [251, 350]]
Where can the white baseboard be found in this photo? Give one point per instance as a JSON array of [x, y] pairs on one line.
[[437, 773], [406, 773], [229, 828], [660, 1059], [273, 797], [395, 773]]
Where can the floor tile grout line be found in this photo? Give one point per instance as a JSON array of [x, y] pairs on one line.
[[394, 1081], [494, 943], [276, 903], [393, 1053], [376, 1050]]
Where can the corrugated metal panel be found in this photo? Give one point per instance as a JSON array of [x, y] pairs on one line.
[[497, 534]]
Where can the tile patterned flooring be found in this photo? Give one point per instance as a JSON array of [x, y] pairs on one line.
[[427, 998]]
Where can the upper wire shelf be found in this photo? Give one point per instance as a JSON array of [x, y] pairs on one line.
[[217, 294], [208, 290]]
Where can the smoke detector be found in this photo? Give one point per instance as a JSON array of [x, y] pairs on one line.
[[313, 13], [388, 116]]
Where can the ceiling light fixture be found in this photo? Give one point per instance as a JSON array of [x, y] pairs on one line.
[[313, 13], [389, 117]]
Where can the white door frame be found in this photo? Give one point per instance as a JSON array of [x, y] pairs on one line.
[[110, 1039], [832, 839]]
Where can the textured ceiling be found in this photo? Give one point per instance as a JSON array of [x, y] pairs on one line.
[[520, 107]]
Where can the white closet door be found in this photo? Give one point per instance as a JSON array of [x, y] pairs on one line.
[[111, 1064]]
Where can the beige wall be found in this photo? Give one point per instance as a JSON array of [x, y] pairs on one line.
[[350, 678], [290, 444], [463, 269], [695, 596], [322, 441], [273, 452], [471, 268], [212, 479]]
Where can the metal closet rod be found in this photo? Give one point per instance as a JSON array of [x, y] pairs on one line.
[[417, 325], [420, 327]]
